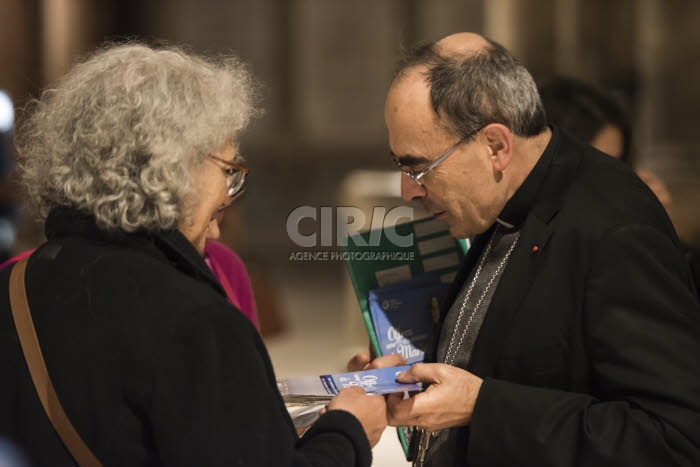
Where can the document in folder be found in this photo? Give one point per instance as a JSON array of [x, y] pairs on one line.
[[381, 270]]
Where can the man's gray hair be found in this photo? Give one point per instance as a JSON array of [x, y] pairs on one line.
[[121, 134], [471, 91]]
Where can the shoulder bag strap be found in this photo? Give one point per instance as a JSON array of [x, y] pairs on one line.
[[40, 376]]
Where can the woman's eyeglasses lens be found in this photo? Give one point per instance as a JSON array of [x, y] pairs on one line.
[[236, 183]]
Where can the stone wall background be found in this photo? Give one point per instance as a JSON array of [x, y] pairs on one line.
[[326, 65]]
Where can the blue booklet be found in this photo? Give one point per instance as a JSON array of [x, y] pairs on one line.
[[432, 251], [305, 396], [404, 315], [313, 388]]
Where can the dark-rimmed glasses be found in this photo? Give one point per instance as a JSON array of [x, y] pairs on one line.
[[236, 177]]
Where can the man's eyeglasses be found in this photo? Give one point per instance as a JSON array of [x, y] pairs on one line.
[[416, 176], [236, 177]]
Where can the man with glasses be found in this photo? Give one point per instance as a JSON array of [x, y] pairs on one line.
[[571, 335]]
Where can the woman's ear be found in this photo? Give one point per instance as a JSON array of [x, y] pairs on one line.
[[500, 145]]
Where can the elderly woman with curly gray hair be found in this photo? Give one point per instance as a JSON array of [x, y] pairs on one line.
[[131, 159]]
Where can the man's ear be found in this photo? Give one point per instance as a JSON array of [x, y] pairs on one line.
[[500, 144]]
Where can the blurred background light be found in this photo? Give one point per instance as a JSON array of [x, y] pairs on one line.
[[7, 112]]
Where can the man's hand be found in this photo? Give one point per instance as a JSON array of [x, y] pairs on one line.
[[448, 402], [363, 361], [370, 410]]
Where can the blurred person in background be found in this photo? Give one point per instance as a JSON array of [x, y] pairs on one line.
[[598, 117], [130, 158], [230, 271]]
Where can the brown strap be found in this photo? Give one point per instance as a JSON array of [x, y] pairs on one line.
[[40, 376]]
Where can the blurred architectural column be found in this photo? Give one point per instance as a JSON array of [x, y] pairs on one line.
[[19, 48], [501, 23], [20, 77], [257, 31], [588, 39], [525, 29], [668, 43], [566, 27], [344, 54], [438, 18], [68, 29]]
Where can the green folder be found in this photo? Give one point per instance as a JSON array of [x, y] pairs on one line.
[[375, 258]]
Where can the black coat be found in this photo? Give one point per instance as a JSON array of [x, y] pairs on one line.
[[151, 363], [589, 348]]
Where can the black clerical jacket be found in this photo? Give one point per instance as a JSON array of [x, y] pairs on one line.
[[589, 349]]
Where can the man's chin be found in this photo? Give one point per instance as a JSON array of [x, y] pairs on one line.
[[457, 230], [456, 233], [443, 217]]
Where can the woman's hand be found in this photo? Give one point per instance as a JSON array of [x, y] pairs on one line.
[[370, 410]]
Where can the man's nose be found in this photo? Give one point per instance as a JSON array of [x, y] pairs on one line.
[[410, 189]]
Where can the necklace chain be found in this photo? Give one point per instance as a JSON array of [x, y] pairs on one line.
[[452, 351]]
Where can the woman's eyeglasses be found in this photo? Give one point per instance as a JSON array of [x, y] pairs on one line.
[[236, 177]]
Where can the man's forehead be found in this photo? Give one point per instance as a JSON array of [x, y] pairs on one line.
[[415, 130], [409, 98], [413, 79], [409, 109]]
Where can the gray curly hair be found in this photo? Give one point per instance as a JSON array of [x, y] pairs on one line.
[[121, 134]]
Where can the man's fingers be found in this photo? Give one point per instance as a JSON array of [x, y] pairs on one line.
[[388, 361], [356, 389], [399, 411], [420, 372], [359, 362]]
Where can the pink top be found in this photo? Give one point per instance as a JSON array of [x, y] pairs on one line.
[[14, 259], [227, 267]]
